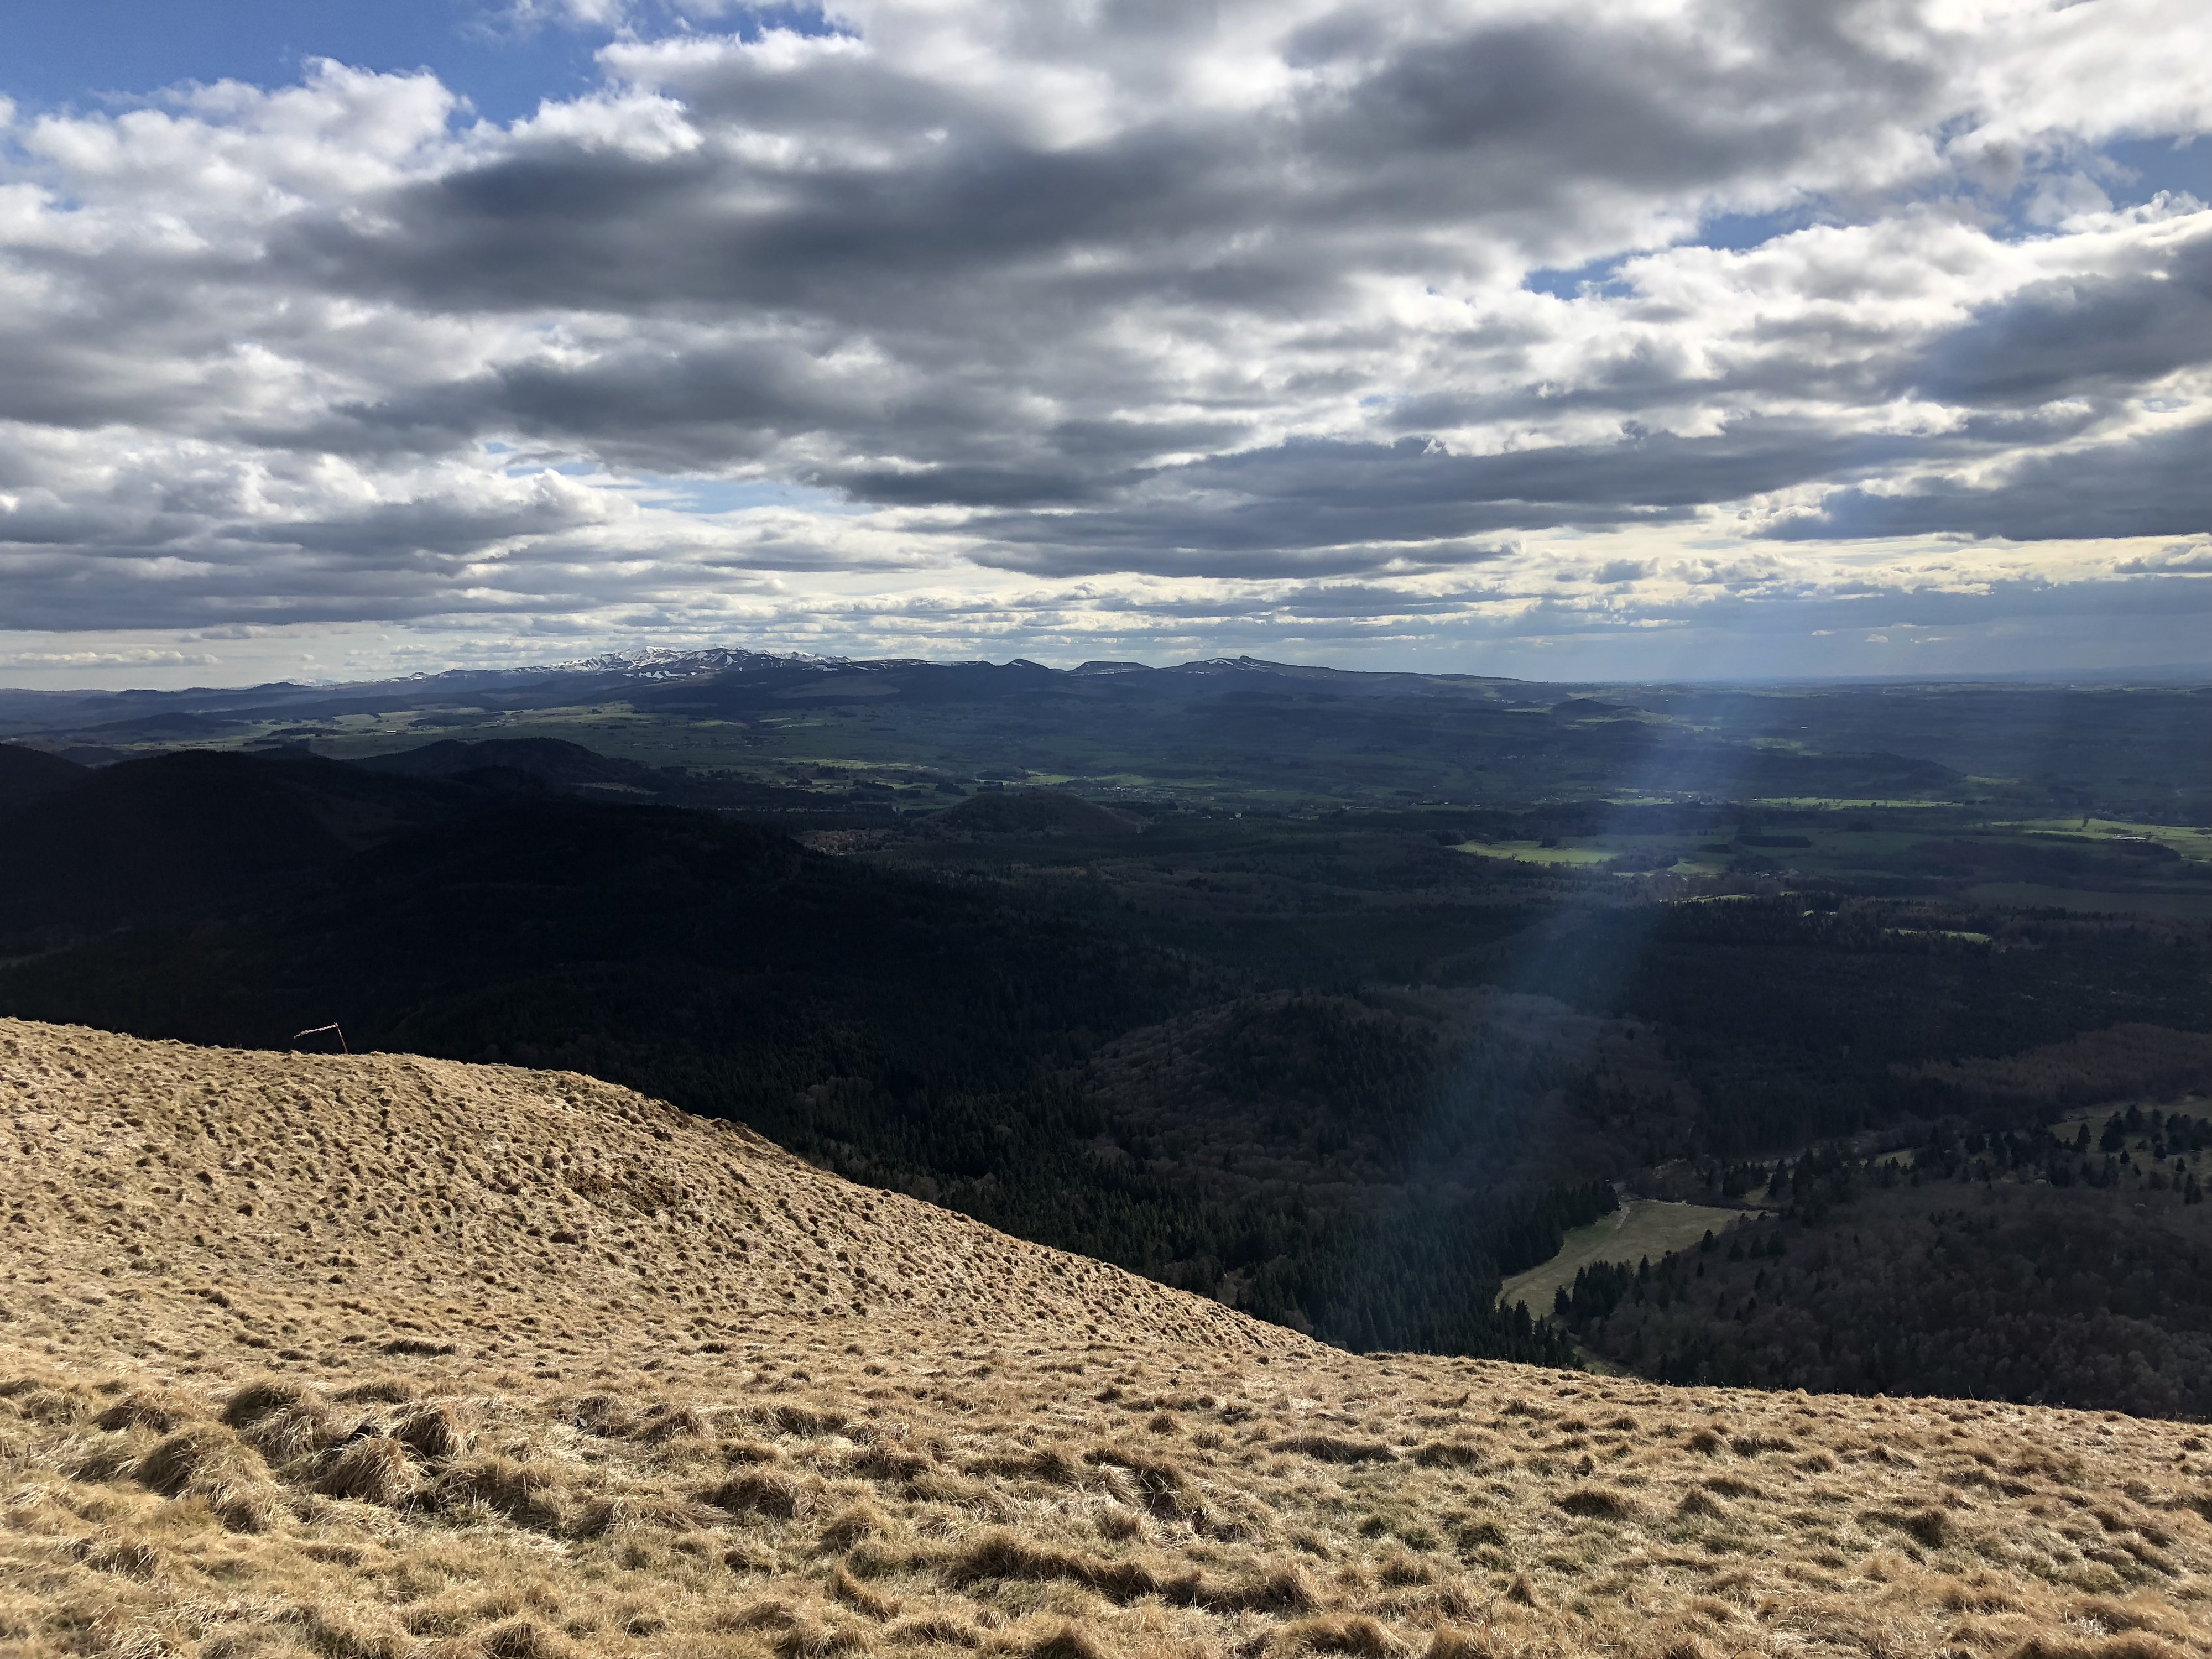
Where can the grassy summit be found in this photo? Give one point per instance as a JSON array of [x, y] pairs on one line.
[[386, 1356]]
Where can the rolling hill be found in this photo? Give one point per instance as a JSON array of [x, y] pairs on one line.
[[154, 836], [1334, 1071], [28, 775], [375, 1355]]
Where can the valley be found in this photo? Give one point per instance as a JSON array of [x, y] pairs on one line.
[[1346, 1047]]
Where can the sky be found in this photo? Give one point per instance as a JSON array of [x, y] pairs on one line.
[[1580, 338]]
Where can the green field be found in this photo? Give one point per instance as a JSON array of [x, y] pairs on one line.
[[1535, 852], [2190, 840], [1641, 1227]]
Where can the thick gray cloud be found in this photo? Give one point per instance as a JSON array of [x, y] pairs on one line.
[[2160, 485], [2097, 334], [1237, 292]]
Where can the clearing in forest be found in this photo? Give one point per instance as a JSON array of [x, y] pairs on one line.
[[1640, 1227]]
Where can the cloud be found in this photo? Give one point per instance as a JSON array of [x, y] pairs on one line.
[[2152, 485], [2181, 556], [2098, 333], [1244, 293], [143, 658]]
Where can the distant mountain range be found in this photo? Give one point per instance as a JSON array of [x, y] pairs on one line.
[[773, 731], [708, 681]]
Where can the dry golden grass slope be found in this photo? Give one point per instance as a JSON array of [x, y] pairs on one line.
[[381, 1357]]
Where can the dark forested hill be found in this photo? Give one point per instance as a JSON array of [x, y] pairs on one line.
[[171, 832], [2065, 1269], [29, 775], [928, 1033], [1344, 1069], [1791, 1017]]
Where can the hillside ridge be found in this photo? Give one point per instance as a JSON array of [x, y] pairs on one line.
[[381, 1358], [377, 1170]]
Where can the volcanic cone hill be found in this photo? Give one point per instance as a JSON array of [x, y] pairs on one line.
[[376, 1357]]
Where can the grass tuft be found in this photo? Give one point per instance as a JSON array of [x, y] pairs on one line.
[[161, 1410], [1068, 1642], [852, 1524], [1355, 1633], [764, 1492], [521, 1639], [257, 1399], [374, 1469], [208, 1461], [1599, 1504], [435, 1433], [1328, 1448]]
